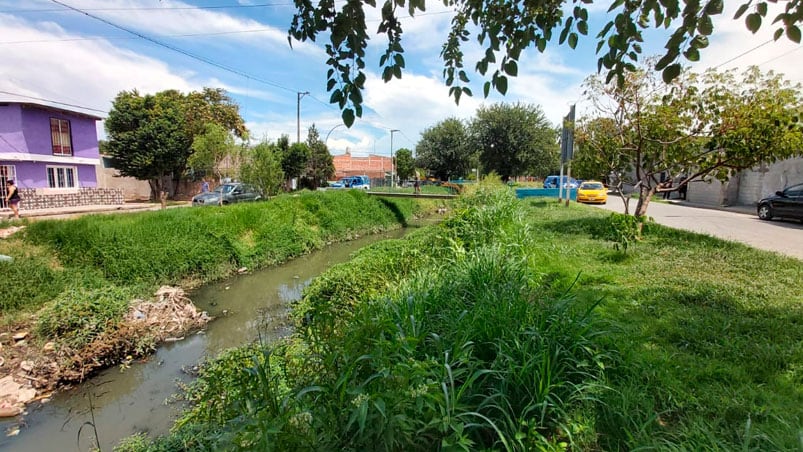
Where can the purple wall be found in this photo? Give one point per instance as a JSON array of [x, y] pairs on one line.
[[25, 128]]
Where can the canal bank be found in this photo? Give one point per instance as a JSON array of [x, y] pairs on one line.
[[140, 396]]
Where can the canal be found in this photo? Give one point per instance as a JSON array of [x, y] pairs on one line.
[[141, 396]]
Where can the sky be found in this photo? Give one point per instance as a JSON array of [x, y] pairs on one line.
[[79, 54]]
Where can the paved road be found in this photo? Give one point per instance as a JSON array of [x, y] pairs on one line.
[[785, 237]]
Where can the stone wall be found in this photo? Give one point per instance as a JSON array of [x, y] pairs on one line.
[[33, 198]]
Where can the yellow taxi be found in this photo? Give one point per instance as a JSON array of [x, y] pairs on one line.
[[592, 192]]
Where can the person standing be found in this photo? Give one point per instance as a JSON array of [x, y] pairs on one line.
[[204, 185], [13, 198]]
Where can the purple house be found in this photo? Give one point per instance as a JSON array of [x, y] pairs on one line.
[[52, 155]]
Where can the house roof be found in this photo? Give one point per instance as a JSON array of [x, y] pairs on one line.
[[50, 108]]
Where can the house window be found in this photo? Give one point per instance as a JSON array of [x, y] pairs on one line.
[[60, 133], [61, 177]]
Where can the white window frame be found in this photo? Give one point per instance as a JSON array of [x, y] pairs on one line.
[[54, 182]]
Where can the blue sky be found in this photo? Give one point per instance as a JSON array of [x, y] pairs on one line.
[[52, 52]]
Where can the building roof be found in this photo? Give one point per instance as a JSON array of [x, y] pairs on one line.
[[41, 106]]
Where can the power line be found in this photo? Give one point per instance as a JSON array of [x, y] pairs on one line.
[[176, 49], [53, 101], [151, 8], [781, 55], [98, 38], [744, 53]]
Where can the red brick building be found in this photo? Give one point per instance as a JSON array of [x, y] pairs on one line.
[[373, 166]]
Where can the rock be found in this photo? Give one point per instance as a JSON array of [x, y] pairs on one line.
[[27, 366], [20, 336], [10, 411], [2, 361], [227, 287], [49, 347], [138, 315], [242, 270], [21, 344]]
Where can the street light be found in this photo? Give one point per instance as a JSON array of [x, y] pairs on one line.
[[298, 115], [330, 132], [392, 163]]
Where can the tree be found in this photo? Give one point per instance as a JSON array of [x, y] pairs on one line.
[[514, 139], [211, 149], [146, 137], [151, 136], [504, 39], [443, 149], [294, 160], [700, 125], [599, 155], [262, 167], [405, 165], [320, 166]]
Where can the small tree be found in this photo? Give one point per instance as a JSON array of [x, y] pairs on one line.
[[405, 165], [211, 149], [262, 167], [444, 151], [320, 166]]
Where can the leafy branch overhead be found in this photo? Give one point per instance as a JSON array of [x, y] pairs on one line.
[[505, 28]]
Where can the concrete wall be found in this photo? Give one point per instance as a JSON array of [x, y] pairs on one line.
[[749, 186]]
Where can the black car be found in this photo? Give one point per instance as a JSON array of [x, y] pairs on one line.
[[785, 204], [231, 193]]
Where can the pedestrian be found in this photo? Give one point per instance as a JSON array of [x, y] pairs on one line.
[[204, 185], [417, 186], [667, 188], [13, 198]]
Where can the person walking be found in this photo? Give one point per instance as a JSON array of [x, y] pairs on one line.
[[13, 198]]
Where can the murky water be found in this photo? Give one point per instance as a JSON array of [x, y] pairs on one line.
[[123, 401]]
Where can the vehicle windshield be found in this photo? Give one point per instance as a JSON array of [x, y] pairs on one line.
[[594, 186], [225, 188]]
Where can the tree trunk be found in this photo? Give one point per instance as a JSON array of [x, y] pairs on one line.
[[645, 194]]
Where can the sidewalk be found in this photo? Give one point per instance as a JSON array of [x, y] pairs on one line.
[[75, 211], [739, 208]]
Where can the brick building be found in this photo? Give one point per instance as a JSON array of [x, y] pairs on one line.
[[373, 166]]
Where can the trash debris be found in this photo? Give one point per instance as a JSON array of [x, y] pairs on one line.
[[49, 347], [20, 336], [242, 270], [27, 366]]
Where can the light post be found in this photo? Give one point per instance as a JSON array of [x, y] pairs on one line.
[[298, 115], [392, 163], [330, 132]]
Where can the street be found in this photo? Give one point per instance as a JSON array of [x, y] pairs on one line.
[[782, 236]]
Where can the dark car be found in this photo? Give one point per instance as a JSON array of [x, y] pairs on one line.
[[784, 204], [230, 193]]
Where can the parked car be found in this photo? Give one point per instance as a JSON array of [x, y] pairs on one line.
[[230, 193], [785, 204], [568, 182], [592, 192], [361, 182]]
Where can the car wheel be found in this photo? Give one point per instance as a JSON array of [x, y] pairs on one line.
[[765, 212]]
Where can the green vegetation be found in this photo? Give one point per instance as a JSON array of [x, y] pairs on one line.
[[85, 271], [517, 326]]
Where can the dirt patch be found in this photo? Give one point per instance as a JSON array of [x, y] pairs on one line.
[[31, 371]]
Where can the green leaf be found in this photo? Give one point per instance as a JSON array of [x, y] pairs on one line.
[[793, 33], [501, 84], [753, 22], [778, 34], [572, 40], [705, 26], [463, 77], [330, 84], [742, 9], [348, 117], [582, 27], [511, 68], [762, 9], [486, 89], [692, 54], [671, 72], [714, 7]]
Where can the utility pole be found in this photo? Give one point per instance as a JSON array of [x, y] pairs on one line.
[[392, 163], [298, 115]]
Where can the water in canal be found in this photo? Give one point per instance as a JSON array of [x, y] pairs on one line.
[[135, 399]]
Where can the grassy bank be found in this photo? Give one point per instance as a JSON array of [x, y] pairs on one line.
[[79, 275], [518, 326]]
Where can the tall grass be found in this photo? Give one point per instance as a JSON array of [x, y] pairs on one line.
[[449, 343]]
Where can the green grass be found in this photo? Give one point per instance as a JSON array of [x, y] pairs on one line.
[[517, 325], [81, 269]]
